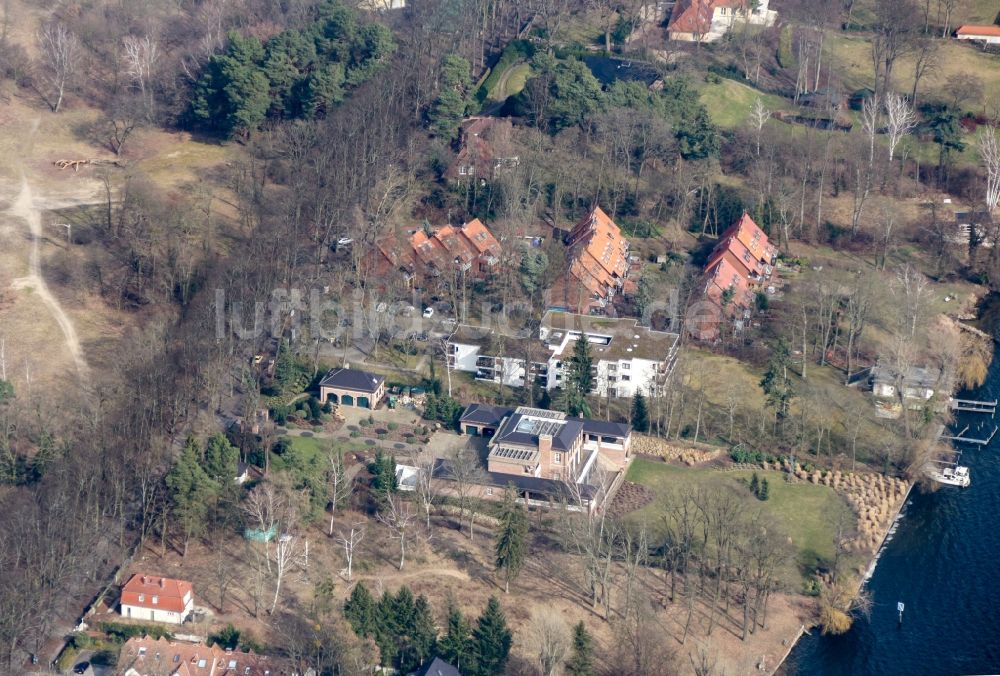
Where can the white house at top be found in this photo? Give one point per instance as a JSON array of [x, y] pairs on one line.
[[709, 20], [626, 357], [157, 599]]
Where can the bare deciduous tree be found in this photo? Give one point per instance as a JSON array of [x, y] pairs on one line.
[[989, 150], [60, 54], [350, 540], [900, 120], [759, 115], [288, 553], [397, 516], [549, 637], [338, 485], [141, 56]]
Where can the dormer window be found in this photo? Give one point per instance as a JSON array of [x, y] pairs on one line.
[[142, 651], [142, 598]]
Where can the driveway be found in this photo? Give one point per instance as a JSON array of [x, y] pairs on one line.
[[93, 670]]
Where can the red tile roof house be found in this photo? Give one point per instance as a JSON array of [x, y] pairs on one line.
[[484, 149], [471, 249], [598, 259], [988, 34], [159, 657], [741, 262], [709, 20], [157, 599]]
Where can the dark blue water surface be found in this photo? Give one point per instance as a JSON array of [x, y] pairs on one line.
[[944, 565]]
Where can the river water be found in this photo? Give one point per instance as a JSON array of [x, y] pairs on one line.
[[944, 564]]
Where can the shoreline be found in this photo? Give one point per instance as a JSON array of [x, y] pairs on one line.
[[890, 530]]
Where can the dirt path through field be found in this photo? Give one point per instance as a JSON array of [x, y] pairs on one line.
[[24, 208]]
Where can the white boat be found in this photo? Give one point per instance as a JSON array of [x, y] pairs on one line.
[[951, 476]]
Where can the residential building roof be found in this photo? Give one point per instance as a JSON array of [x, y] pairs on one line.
[[605, 428], [159, 657], [484, 145], [612, 339], [598, 248], [441, 249], [727, 273], [160, 593], [972, 29], [352, 379], [550, 487], [484, 414], [750, 235], [916, 376], [437, 667]]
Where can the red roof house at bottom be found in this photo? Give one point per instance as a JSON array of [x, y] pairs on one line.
[[157, 599], [159, 657]]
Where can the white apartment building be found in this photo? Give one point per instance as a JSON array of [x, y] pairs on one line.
[[627, 357]]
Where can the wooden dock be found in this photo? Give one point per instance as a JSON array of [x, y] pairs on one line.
[[972, 406], [961, 438]]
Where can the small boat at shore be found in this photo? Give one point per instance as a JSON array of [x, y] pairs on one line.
[[951, 476]]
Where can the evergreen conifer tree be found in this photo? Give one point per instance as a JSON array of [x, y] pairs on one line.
[[492, 639], [755, 484], [581, 659], [191, 489], [765, 490], [640, 413], [511, 544], [456, 645], [423, 634], [579, 380], [359, 609]]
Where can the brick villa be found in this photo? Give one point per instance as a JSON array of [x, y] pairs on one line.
[[547, 455]]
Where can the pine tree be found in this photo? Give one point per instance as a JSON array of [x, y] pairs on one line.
[[581, 660], [579, 380], [492, 640], [191, 490], [511, 545], [221, 458], [359, 609], [456, 645], [755, 484], [423, 634], [387, 629], [765, 490], [640, 413]]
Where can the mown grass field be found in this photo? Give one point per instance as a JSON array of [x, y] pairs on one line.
[[808, 514], [729, 102]]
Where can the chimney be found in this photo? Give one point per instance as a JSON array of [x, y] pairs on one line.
[[544, 443], [162, 583]]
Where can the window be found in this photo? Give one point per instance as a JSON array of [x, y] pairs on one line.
[[142, 598], [557, 458], [489, 490], [626, 367], [201, 663], [247, 670], [461, 170], [155, 599], [626, 378], [177, 658], [527, 470], [232, 664], [142, 651]]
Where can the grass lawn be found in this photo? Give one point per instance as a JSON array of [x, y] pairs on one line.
[[807, 513], [718, 375], [853, 55], [312, 450], [516, 79], [729, 102]]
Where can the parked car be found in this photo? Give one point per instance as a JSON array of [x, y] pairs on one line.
[[81, 668], [428, 312], [344, 241]]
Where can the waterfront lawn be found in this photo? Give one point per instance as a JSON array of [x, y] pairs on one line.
[[807, 513]]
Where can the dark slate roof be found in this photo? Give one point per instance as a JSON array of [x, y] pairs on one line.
[[547, 487], [351, 379], [485, 414], [437, 667], [605, 428]]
